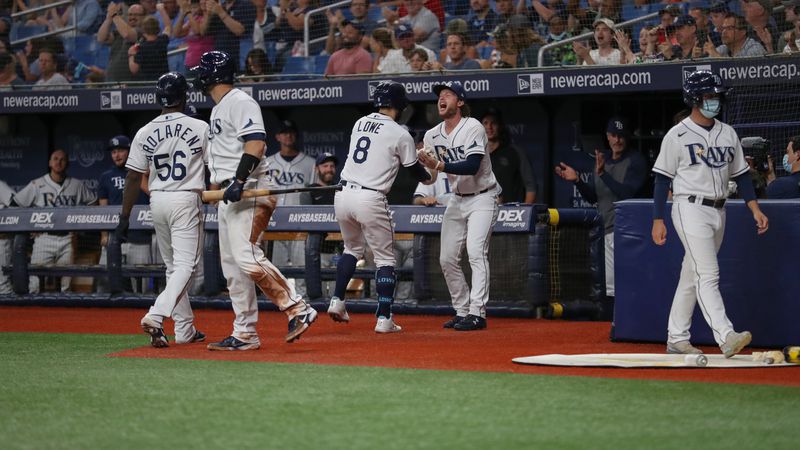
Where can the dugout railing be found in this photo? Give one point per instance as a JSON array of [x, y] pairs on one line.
[[527, 257]]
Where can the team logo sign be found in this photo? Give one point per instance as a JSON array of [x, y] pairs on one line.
[[111, 100], [530, 83]]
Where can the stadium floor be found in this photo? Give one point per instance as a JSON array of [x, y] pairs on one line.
[[423, 344]]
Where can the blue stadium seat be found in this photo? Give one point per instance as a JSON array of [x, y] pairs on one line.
[[296, 67], [87, 50], [485, 52], [374, 12], [245, 45], [24, 32], [319, 63]]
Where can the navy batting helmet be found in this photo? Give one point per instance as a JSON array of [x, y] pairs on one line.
[[390, 94], [171, 89], [699, 83], [215, 67]]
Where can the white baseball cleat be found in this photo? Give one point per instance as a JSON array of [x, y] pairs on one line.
[[386, 325], [735, 342], [683, 348], [338, 311]]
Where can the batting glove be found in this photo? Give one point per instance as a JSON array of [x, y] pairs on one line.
[[234, 191], [121, 232]]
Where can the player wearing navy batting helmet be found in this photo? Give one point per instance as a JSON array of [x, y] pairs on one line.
[[698, 156]]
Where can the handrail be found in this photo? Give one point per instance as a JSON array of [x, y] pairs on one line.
[[307, 31], [41, 8], [546, 47], [45, 34]]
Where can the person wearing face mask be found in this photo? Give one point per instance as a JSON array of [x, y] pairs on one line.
[[351, 58], [562, 55], [789, 186], [699, 155]]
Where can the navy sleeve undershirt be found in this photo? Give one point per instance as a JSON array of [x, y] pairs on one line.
[[469, 166]]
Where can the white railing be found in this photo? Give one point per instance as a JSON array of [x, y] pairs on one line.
[[43, 8]]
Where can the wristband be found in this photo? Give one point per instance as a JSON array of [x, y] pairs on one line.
[[246, 166]]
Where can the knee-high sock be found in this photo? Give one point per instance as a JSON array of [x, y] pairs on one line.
[[385, 281], [344, 272]]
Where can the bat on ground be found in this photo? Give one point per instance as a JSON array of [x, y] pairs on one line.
[[215, 196]]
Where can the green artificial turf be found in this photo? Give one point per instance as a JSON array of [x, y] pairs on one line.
[[61, 391]]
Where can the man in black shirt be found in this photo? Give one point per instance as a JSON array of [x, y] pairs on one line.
[[325, 175], [509, 164]]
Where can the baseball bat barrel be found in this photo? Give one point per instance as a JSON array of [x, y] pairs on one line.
[[215, 196]]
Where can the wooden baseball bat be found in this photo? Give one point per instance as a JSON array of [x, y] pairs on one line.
[[215, 196]]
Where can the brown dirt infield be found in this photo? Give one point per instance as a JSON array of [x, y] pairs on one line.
[[423, 343]]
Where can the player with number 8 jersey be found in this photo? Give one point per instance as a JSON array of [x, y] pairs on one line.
[[378, 146]]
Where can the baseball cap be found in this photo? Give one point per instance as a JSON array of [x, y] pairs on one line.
[[605, 21], [719, 7], [493, 112], [357, 25], [766, 4], [454, 86], [673, 10], [325, 157], [120, 141], [403, 30], [287, 126], [457, 26], [684, 20], [616, 126]]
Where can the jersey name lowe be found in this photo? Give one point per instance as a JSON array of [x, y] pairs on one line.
[[377, 145]]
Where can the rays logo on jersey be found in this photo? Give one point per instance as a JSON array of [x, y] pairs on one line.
[[214, 128], [453, 154], [286, 178], [51, 199], [714, 157]]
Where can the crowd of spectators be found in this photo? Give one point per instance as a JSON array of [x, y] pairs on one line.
[[118, 41]]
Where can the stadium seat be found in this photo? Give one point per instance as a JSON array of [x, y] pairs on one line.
[[374, 12], [245, 45], [485, 52], [24, 32], [319, 63], [296, 67], [87, 50]]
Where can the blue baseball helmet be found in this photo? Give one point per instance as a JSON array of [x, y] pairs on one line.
[[171, 89], [699, 83], [390, 94], [215, 67]]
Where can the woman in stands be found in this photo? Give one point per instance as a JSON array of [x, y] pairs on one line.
[[193, 30]]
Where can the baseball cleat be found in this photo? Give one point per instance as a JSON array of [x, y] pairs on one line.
[[387, 325], [231, 343], [470, 323], [198, 336], [453, 322], [338, 311], [683, 348], [157, 337], [735, 342], [300, 323]]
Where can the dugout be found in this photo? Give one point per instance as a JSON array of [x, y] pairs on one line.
[[553, 114]]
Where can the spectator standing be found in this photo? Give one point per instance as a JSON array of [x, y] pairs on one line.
[[604, 54], [358, 15], [192, 29], [289, 29], [481, 21], [618, 176], [758, 14], [50, 79], [788, 187], [509, 164], [525, 41], [147, 60], [110, 187], [427, 31], [735, 42], [88, 13], [229, 23], [264, 26], [351, 58], [54, 189], [562, 55], [120, 38]]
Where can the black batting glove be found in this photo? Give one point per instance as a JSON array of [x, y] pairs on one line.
[[121, 232], [234, 191]]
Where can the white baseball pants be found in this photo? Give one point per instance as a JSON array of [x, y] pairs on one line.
[[364, 219], [700, 229], [178, 222], [51, 249], [5, 260], [243, 262], [468, 219]]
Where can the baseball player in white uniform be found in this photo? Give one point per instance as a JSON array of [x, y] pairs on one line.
[[6, 241], [237, 140], [378, 146], [54, 190], [290, 168], [459, 144], [436, 194], [700, 155], [172, 148]]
